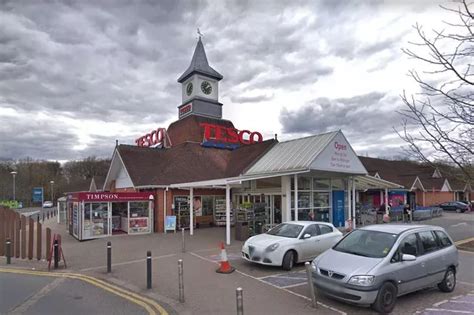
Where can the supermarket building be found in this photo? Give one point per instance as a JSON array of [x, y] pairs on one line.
[[208, 172]]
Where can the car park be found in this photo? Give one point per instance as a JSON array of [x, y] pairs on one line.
[[376, 264], [290, 243], [48, 204], [457, 206]]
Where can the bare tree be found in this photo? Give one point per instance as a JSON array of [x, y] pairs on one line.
[[438, 121]]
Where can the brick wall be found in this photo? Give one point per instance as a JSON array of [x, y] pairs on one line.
[[433, 198]]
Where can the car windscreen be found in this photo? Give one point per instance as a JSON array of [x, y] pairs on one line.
[[367, 243], [286, 230]]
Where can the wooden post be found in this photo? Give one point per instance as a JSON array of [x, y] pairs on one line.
[[11, 232], [17, 235], [31, 236], [38, 240], [2, 231], [23, 237], [48, 242]]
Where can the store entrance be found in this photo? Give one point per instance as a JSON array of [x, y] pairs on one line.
[[119, 213]]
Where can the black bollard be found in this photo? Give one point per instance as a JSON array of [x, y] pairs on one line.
[[109, 257], [148, 269], [8, 250], [56, 254], [43, 216]]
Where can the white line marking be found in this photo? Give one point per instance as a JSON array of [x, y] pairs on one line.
[[459, 224], [439, 303], [465, 302], [279, 275], [128, 262], [447, 311], [277, 287], [294, 285]]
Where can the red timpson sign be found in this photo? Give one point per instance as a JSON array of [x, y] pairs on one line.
[[153, 138], [115, 196], [230, 135]]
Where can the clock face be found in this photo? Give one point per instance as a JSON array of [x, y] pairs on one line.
[[189, 88], [206, 87]]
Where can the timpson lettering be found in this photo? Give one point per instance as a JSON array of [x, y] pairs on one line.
[[153, 138], [102, 196], [230, 135], [185, 109]]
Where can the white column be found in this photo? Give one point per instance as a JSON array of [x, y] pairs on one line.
[[381, 197], [285, 198], [354, 203], [348, 195], [386, 200], [296, 197], [227, 214], [191, 211]]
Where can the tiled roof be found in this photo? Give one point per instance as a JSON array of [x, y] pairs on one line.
[[187, 162]]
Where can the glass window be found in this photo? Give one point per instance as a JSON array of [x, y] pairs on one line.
[[304, 183], [139, 221], [303, 200], [443, 239], [428, 241], [367, 243], [321, 199], [337, 184], [286, 230], [208, 205], [408, 245], [321, 184], [311, 230], [138, 209], [325, 229]]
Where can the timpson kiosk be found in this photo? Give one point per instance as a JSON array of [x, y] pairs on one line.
[[95, 215]]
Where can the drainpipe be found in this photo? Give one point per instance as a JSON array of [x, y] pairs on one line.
[[165, 192], [296, 197], [191, 211]]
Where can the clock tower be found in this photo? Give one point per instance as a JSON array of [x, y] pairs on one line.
[[200, 87]]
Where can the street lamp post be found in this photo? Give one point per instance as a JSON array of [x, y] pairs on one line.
[[52, 191], [14, 174]]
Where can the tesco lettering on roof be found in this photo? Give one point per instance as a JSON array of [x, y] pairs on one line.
[[154, 138], [230, 135]]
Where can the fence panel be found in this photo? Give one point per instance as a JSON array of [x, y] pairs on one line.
[[2, 231], [38, 240], [31, 230]]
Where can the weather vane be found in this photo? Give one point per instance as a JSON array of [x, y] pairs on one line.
[[199, 33]]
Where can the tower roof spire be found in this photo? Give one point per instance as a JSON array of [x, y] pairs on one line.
[[200, 65]]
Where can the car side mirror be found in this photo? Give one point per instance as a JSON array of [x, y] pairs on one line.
[[407, 257], [306, 236]]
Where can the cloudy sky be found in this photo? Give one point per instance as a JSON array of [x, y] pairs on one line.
[[76, 75]]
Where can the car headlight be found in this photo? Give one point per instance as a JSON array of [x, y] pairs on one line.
[[272, 247], [362, 280], [313, 266]]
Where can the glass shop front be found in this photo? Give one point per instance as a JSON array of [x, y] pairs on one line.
[[95, 215]]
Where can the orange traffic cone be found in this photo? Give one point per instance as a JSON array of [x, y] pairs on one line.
[[224, 266]]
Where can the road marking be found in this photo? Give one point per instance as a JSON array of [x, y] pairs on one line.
[[31, 300], [144, 302], [459, 224], [294, 285], [439, 303], [447, 311], [127, 262], [275, 286], [461, 302]]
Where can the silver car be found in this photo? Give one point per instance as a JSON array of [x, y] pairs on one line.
[[376, 264]]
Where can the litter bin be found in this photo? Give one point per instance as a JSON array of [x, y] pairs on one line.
[[241, 231]]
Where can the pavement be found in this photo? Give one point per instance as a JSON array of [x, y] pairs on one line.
[[267, 290]]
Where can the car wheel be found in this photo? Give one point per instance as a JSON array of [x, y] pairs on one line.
[[386, 298], [449, 281], [288, 260]]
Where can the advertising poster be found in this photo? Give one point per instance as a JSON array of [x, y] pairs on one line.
[[170, 223], [197, 206], [338, 208], [38, 194]]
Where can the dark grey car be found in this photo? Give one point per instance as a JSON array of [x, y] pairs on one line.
[[376, 264]]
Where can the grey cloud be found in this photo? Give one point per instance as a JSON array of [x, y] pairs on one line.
[[251, 99]]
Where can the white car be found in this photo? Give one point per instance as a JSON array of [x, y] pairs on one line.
[[48, 204], [290, 243]]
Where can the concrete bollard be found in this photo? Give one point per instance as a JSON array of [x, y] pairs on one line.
[[8, 250], [148, 269], [240, 301], [109, 257], [183, 245], [180, 281], [56, 254], [310, 284]]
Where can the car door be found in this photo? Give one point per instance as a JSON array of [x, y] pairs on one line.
[[307, 248], [408, 273], [431, 257], [327, 236]]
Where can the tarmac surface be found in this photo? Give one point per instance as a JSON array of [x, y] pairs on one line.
[[267, 290]]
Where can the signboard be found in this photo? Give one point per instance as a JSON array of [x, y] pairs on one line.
[[116, 196], [170, 223], [220, 134], [154, 138], [338, 208], [38, 194], [185, 109]]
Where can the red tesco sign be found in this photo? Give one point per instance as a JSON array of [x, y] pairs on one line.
[[230, 135], [153, 138]]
